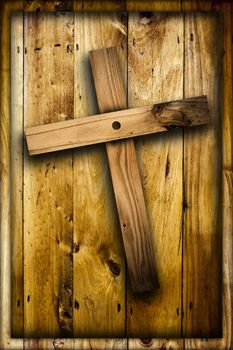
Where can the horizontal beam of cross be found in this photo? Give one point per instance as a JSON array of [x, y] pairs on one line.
[[117, 125]]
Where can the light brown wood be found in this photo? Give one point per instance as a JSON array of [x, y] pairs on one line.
[[117, 125], [154, 76], [17, 175], [221, 343], [226, 341], [6, 340], [202, 162], [158, 5], [48, 181], [125, 176], [99, 263]]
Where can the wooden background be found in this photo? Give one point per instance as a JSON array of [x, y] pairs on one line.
[[68, 267]]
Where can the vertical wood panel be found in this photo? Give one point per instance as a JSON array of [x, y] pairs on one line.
[[99, 263], [17, 174], [202, 161], [227, 197], [6, 9], [155, 77], [48, 180]]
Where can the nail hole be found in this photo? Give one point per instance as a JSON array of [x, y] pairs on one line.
[[116, 125]]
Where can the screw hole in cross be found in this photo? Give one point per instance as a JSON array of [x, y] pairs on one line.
[[116, 125]]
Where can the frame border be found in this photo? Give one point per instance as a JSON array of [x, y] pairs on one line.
[[226, 342]]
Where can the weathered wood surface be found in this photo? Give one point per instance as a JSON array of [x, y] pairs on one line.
[[223, 343], [6, 340], [99, 264], [117, 125], [155, 77], [17, 297], [202, 246], [48, 181], [126, 180]]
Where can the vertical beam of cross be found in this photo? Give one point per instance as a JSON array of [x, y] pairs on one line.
[[125, 175]]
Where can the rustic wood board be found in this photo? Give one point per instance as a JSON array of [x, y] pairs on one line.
[[6, 340], [118, 125], [160, 162], [48, 181], [100, 263]]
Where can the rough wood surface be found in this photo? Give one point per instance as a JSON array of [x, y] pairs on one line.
[[227, 195], [155, 77], [158, 5], [6, 340], [202, 164], [17, 174], [117, 125], [223, 343], [48, 181], [125, 176], [99, 262]]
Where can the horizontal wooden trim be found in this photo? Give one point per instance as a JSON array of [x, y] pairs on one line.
[[117, 125]]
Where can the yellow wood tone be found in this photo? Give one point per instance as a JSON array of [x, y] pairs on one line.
[[117, 125], [201, 5], [155, 344], [48, 5], [48, 180], [153, 76], [227, 195], [99, 264], [125, 176], [159, 6], [101, 5], [6, 342], [17, 174], [202, 162]]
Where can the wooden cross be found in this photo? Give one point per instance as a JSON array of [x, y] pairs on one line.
[[114, 125]]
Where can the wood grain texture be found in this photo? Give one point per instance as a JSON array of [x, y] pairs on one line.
[[17, 175], [118, 125], [159, 6], [6, 342], [202, 5], [125, 176], [48, 181], [202, 162], [155, 77], [101, 5], [222, 343], [99, 263], [48, 5], [226, 341]]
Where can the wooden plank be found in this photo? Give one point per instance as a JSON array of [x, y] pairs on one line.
[[155, 344], [6, 341], [202, 162], [153, 76], [101, 5], [48, 5], [159, 6], [16, 175], [99, 263], [118, 125], [125, 176], [227, 197], [48, 198], [201, 5]]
